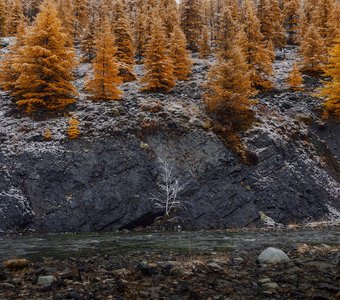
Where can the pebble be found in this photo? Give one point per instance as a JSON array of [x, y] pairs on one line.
[[264, 280], [47, 280], [271, 285], [215, 266]]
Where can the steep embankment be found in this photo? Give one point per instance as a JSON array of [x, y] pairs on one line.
[[105, 180]]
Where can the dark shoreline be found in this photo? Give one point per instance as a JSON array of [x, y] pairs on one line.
[[312, 273]]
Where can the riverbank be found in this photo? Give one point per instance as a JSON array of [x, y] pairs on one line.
[[200, 265]]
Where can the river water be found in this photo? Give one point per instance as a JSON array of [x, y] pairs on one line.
[[59, 246]]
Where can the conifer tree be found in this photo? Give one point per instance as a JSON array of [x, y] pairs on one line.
[[230, 89], [257, 55], [204, 47], [45, 65], [81, 17], [104, 84], [295, 80], [313, 51], [9, 65], [228, 30], [141, 28], [159, 69], [73, 130], [16, 13], [170, 16], [88, 45], [192, 22], [47, 134], [3, 9], [124, 43], [179, 55], [271, 20], [291, 13], [66, 15], [331, 90]]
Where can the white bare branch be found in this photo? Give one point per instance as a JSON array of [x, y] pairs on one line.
[[171, 187]]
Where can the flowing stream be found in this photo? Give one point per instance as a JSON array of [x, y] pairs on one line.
[[59, 246]]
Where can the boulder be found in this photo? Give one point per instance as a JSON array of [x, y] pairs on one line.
[[272, 255]]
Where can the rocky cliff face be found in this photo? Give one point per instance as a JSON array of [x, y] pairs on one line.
[[106, 179]]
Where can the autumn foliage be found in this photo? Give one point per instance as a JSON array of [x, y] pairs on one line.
[[44, 65], [105, 81], [331, 91], [295, 79], [229, 90], [73, 130], [159, 69]]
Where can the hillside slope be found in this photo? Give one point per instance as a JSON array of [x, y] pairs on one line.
[[105, 180]]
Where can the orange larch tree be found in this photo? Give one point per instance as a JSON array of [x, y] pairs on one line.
[[12, 60], [291, 10], [295, 79], [45, 65], [179, 55], [313, 51], [159, 69], [124, 42], [229, 90], [88, 44], [192, 22], [271, 21], [204, 43], [258, 56], [66, 15], [331, 90], [3, 17], [16, 14], [81, 17], [104, 84]]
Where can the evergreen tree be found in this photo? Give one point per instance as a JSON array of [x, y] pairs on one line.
[[159, 69], [124, 42], [271, 21], [331, 90], [228, 30], [230, 89], [16, 13], [3, 18], [12, 60], [81, 17], [179, 55], [88, 44], [291, 15], [73, 130], [313, 51], [47, 134], [324, 18], [258, 56], [105, 81], [170, 16], [66, 15], [204, 47], [295, 80], [192, 22], [141, 28], [45, 65]]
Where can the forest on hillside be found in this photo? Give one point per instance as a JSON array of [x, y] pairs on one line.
[[52, 37]]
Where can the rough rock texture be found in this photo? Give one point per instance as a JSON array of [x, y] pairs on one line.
[[106, 179]]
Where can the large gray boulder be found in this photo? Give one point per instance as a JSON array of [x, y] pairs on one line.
[[272, 256]]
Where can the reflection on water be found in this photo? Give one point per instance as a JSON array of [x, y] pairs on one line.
[[35, 247]]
